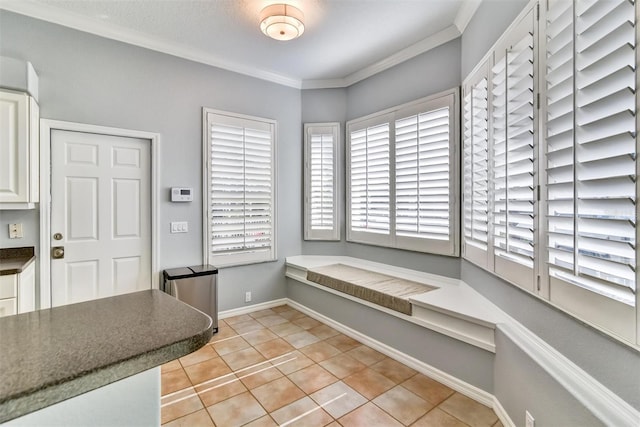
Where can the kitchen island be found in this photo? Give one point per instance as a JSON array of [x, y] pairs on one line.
[[87, 349]]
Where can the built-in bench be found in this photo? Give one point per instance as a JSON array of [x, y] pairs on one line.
[[373, 302], [447, 306]]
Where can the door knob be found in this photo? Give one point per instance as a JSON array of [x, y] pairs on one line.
[[57, 252]]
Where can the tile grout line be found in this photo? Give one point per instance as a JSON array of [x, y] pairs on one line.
[[197, 392], [229, 338], [226, 375], [313, 410], [272, 363]]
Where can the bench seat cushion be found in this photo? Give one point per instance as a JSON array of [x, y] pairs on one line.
[[381, 289]]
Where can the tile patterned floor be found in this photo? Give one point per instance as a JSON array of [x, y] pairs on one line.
[[279, 367]]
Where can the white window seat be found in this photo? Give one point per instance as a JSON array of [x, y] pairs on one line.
[[457, 311], [453, 308]]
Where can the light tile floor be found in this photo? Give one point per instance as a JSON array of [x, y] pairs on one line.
[[280, 367]]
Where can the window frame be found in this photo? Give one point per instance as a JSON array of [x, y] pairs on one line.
[[311, 129], [246, 256], [449, 98], [489, 255], [613, 317], [605, 314]]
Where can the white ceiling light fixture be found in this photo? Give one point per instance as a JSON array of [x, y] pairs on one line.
[[282, 22]]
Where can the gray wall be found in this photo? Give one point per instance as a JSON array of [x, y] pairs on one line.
[[434, 71], [521, 385], [418, 77], [464, 361], [321, 106], [613, 364], [89, 79], [487, 24]]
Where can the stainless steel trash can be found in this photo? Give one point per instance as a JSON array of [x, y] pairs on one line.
[[197, 286]]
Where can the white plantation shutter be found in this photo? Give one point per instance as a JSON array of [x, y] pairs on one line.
[[401, 177], [500, 179], [475, 169], [513, 150], [422, 175], [321, 203], [591, 165], [240, 187], [370, 179]]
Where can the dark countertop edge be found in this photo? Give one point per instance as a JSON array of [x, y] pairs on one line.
[[50, 394], [25, 255]]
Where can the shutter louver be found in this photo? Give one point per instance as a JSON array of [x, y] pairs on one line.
[[476, 184], [370, 179], [513, 153], [422, 175], [322, 167], [241, 189], [467, 160], [592, 166]]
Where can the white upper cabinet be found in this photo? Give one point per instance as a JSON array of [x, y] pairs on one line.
[[19, 150]]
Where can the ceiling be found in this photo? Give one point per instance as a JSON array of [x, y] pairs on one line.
[[344, 42]]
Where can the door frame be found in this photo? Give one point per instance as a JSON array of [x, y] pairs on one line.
[[46, 127]]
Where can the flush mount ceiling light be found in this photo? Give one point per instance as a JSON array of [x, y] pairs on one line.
[[282, 22]]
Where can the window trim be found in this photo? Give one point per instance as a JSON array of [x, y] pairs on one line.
[[451, 247], [242, 257], [584, 305], [309, 130]]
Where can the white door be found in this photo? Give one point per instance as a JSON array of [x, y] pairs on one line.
[[100, 216]]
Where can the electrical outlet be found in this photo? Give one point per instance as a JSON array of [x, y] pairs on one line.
[[247, 297], [529, 421], [15, 231]]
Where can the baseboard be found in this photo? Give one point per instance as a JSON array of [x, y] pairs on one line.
[[450, 381], [501, 413], [603, 403], [251, 308]]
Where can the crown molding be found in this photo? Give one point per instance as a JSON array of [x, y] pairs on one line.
[[79, 22], [424, 45], [465, 13], [442, 37], [45, 12], [325, 84]]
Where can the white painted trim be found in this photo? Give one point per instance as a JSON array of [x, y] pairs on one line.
[[310, 129], [487, 55], [245, 257], [424, 45], [46, 126], [504, 418], [111, 31], [444, 329], [456, 384], [465, 13], [80, 22], [251, 308], [602, 402]]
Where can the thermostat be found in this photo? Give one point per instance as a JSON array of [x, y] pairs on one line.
[[181, 194]]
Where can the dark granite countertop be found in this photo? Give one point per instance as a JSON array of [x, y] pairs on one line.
[[51, 355], [14, 260]]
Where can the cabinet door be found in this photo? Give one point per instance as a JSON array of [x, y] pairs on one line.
[[7, 307], [14, 147], [27, 289]]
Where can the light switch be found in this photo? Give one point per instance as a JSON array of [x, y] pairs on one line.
[[180, 227], [15, 231]]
